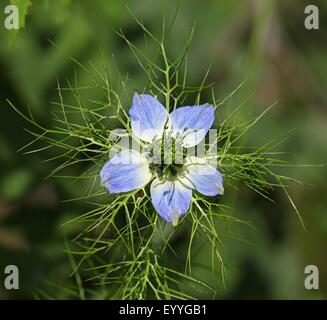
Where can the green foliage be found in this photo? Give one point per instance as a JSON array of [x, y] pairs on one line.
[[124, 246]]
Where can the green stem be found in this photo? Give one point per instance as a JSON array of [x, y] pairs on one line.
[[167, 69]]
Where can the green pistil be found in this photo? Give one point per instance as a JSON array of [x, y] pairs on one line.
[[169, 172]]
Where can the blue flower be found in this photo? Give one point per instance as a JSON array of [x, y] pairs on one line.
[[173, 181]]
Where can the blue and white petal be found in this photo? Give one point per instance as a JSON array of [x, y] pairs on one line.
[[126, 171], [192, 123], [171, 199], [148, 117], [202, 176]]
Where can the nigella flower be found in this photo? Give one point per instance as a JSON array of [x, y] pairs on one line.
[[179, 174]]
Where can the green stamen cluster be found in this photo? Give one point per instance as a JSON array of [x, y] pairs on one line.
[[167, 156]]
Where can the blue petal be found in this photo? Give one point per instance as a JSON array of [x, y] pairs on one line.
[[148, 117], [192, 123], [126, 171], [171, 199], [203, 177]]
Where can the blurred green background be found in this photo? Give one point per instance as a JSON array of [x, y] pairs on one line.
[[263, 41]]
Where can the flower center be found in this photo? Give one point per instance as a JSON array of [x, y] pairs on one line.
[[167, 156]]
